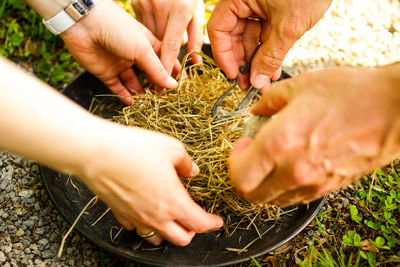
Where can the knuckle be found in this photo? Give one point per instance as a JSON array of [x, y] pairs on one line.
[[169, 45], [302, 174], [271, 61], [292, 31]]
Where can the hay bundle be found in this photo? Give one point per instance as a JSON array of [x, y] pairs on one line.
[[185, 113]]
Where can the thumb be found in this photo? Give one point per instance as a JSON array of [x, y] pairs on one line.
[[241, 144], [277, 97], [248, 165], [269, 58]]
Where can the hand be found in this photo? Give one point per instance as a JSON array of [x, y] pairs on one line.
[[108, 42], [236, 28], [136, 173], [330, 127], [168, 20]]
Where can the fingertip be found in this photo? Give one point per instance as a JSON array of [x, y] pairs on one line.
[[241, 144], [195, 170], [259, 80], [171, 83], [277, 74]]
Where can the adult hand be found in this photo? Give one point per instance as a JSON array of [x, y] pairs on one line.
[[136, 173], [330, 127], [168, 20], [237, 26], [108, 42]]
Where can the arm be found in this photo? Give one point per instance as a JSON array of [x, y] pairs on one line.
[[117, 163], [332, 126], [107, 42]]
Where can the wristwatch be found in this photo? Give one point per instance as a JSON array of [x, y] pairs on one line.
[[75, 11]]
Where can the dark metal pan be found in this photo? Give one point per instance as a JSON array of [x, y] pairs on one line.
[[205, 249]]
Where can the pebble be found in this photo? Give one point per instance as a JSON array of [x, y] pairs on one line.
[[29, 223], [43, 242], [26, 193], [2, 257], [20, 232], [8, 172]]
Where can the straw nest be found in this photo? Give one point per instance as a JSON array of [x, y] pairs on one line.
[[185, 113]]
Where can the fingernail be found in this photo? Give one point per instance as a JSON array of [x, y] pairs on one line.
[[260, 80], [195, 169], [171, 82]]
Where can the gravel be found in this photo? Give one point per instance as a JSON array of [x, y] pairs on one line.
[[352, 33]]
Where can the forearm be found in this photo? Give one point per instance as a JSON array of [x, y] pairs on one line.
[[39, 123], [48, 8]]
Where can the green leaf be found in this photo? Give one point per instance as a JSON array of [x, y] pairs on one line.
[[373, 225], [392, 221], [65, 56], [44, 66], [387, 215], [379, 241], [379, 172], [371, 256], [16, 38], [354, 214], [392, 242]]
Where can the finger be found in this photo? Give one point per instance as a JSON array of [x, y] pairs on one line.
[[152, 66], [147, 15], [195, 33], [251, 38], [124, 222], [241, 144], [160, 11], [119, 89], [143, 230], [185, 167], [301, 195], [249, 166], [277, 74], [128, 77], [277, 97], [269, 57], [137, 10], [195, 218], [177, 234], [171, 43], [177, 69]]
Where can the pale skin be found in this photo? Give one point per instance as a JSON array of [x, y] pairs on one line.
[[330, 128], [237, 26], [117, 163], [169, 21]]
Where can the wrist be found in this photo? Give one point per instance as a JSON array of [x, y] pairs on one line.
[[48, 9]]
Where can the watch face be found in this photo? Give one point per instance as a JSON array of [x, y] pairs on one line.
[[88, 3], [79, 7]]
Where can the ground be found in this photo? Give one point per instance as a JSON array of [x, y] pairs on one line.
[[357, 226]]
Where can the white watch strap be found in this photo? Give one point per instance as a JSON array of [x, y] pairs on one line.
[[69, 16], [59, 23]]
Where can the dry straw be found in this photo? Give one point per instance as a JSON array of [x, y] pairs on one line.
[[185, 113]]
